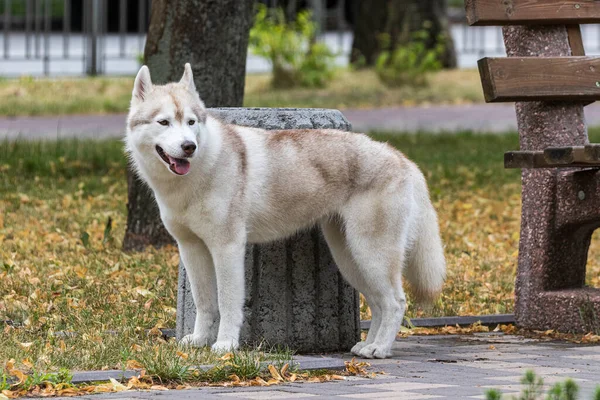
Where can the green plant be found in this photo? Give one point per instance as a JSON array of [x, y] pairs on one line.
[[493, 394], [36, 379], [566, 390], [533, 390], [165, 364], [534, 386], [296, 58], [63, 376], [245, 365], [4, 384], [409, 63]]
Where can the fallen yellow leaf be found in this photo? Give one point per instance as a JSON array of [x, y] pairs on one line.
[[20, 375], [117, 386], [284, 369], [68, 392], [260, 381], [274, 373], [136, 347], [26, 346], [155, 332], [134, 364], [143, 292]]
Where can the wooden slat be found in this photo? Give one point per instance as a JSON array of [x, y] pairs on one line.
[[532, 12], [523, 159], [575, 40], [592, 151], [538, 78], [555, 157]]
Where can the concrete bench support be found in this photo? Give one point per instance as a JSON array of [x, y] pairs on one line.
[[561, 206], [295, 295]]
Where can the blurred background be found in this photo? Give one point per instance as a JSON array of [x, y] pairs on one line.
[[79, 37]]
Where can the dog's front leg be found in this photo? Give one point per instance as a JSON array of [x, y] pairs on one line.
[[229, 268], [203, 284]]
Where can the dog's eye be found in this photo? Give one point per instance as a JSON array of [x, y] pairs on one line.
[[163, 122], [191, 122]]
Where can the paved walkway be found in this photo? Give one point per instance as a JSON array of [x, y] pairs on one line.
[[495, 118], [431, 367]]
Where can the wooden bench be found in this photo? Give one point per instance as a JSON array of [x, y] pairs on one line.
[[549, 77]]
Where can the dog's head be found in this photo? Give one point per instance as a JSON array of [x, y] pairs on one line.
[[166, 123]]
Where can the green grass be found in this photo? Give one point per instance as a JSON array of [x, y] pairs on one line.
[[348, 89], [54, 193]]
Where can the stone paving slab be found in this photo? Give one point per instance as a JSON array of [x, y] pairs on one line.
[[495, 118], [429, 367]]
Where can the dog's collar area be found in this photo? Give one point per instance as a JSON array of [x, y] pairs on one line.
[[178, 166]]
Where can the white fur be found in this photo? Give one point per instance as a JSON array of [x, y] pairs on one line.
[[248, 185]]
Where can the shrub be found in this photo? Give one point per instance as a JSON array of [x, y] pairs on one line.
[[408, 64], [533, 390], [290, 47]]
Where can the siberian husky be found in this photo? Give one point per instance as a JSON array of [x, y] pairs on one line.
[[220, 186]]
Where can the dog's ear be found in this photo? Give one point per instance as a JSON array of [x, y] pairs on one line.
[[188, 78], [142, 84]]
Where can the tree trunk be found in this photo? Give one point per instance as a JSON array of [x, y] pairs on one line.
[[212, 35], [398, 19]]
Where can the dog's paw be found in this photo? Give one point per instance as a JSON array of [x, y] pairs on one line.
[[222, 346], [357, 348], [373, 351], [196, 340]]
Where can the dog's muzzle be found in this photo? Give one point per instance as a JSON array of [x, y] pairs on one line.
[[179, 166]]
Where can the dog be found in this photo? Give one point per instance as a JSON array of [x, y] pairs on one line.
[[220, 186]]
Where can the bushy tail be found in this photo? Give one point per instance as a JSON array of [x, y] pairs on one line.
[[426, 266]]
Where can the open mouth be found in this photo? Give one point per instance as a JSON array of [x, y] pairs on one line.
[[179, 166]]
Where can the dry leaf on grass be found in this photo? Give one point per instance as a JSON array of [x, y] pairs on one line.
[[274, 373], [357, 368], [26, 346], [134, 364]]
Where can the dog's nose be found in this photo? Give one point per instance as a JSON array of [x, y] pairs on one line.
[[188, 147]]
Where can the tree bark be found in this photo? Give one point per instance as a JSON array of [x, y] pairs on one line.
[[212, 35], [398, 19]]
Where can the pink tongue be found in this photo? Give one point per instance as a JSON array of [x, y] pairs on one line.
[[180, 165]]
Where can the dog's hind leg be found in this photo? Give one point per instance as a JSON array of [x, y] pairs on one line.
[[201, 273], [334, 236], [377, 232]]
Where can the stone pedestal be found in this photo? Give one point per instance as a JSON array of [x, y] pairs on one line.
[[295, 295], [561, 206]]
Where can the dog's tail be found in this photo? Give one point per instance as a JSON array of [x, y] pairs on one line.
[[426, 265]]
